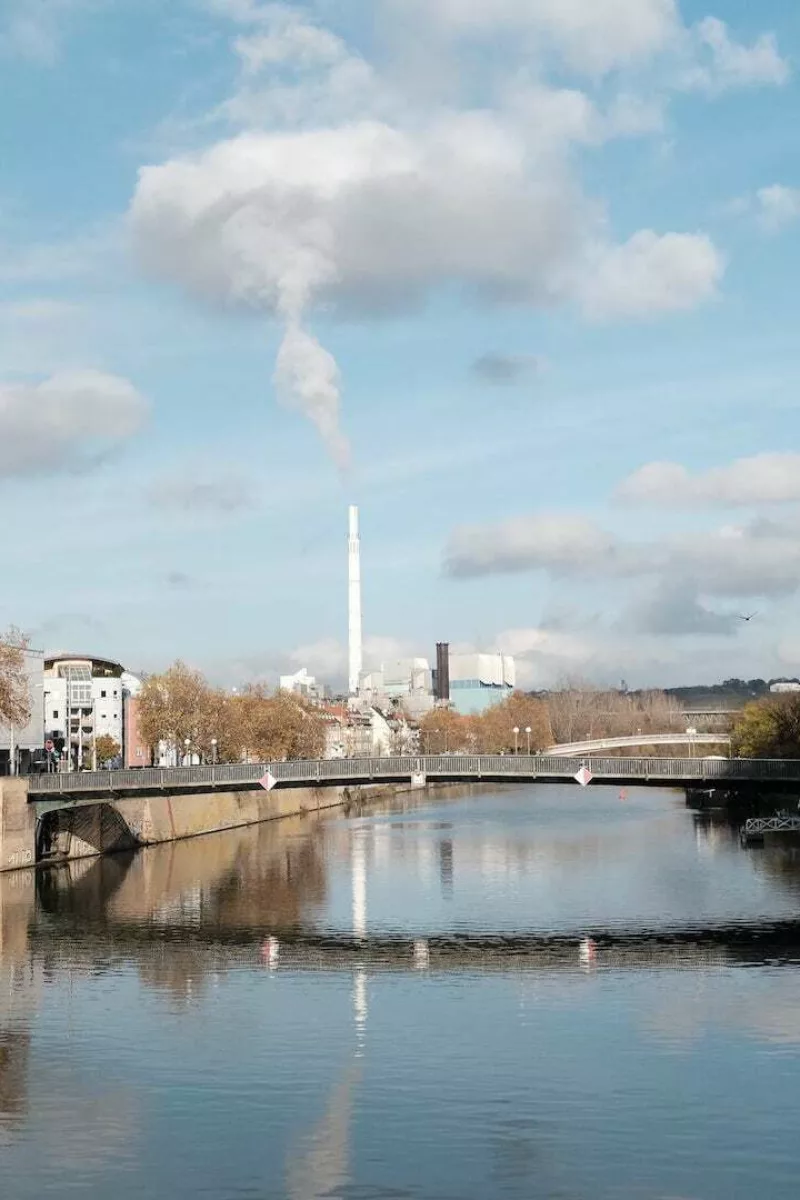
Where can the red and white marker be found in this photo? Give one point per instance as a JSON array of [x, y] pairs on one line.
[[268, 781], [584, 777]]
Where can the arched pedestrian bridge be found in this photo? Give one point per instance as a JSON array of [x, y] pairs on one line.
[[51, 792], [599, 745]]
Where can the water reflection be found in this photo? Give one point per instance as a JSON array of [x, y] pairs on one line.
[[314, 1008]]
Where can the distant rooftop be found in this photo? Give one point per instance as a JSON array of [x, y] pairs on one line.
[[97, 660]]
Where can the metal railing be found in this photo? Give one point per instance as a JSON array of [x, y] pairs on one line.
[[782, 823], [466, 767]]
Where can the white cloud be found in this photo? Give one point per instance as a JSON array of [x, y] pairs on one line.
[[592, 35], [760, 479], [674, 610], [203, 490], [558, 543], [69, 421], [368, 217], [648, 275], [760, 558], [728, 64], [360, 184], [34, 29], [777, 207]]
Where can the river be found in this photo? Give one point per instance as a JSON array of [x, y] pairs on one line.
[[525, 992]]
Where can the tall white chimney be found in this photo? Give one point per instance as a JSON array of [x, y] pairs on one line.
[[354, 602]]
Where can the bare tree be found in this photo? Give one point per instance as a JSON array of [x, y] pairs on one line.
[[581, 712], [15, 699]]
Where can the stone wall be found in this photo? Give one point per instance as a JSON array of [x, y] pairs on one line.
[[124, 824], [17, 826]]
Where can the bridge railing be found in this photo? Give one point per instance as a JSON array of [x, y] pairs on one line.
[[446, 766]]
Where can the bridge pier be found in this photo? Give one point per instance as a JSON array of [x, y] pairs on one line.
[[17, 825]]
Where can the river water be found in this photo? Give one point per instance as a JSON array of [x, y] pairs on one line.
[[530, 992]]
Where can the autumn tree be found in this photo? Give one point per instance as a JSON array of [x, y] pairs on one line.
[[444, 729], [494, 729], [15, 700], [768, 728], [174, 707], [106, 749], [283, 726]]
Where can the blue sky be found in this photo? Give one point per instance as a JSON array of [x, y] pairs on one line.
[[518, 278]]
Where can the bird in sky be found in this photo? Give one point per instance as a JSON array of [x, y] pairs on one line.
[[742, 617]]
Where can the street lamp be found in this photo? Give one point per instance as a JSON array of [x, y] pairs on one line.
[[515, 732], [528, 732], [187, 743], [214, 751]]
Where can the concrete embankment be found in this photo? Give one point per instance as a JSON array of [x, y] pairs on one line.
[[122, 824]]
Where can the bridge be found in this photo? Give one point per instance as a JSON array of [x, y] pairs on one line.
[[579, 749], [48, 793]]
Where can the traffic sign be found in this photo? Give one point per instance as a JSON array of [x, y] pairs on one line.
[[584, 777], [268, 781]]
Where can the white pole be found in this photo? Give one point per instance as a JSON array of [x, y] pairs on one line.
[[354, 604], [12, 768]]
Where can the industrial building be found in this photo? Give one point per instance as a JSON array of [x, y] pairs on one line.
[[303, 684], [477, 681]]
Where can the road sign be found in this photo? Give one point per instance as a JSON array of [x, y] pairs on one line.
[[584, 777], [268, 781]]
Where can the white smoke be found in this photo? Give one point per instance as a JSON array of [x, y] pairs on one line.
[[307, 377]]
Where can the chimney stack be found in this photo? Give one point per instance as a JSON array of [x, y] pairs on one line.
[[354, 604], [442, 692]]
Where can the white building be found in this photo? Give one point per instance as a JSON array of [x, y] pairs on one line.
[[302, 684], [477, 681], [84, 699], [397, 679], [781, 688]]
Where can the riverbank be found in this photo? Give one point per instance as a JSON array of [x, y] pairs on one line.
[[112, 826]]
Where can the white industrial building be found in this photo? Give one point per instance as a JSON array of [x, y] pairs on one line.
[[302, 684], [477, 681]]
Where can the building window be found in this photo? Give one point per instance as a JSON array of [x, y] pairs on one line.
[[102, 695], [55, 714]]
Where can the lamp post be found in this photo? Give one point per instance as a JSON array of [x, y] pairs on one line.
[[187, 743], [515, 732], [214, 752], [528, 732]]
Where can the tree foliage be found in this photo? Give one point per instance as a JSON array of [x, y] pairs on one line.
[[180, 705], [15, 700], [106, 749], [491, 732], [768, 728]]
